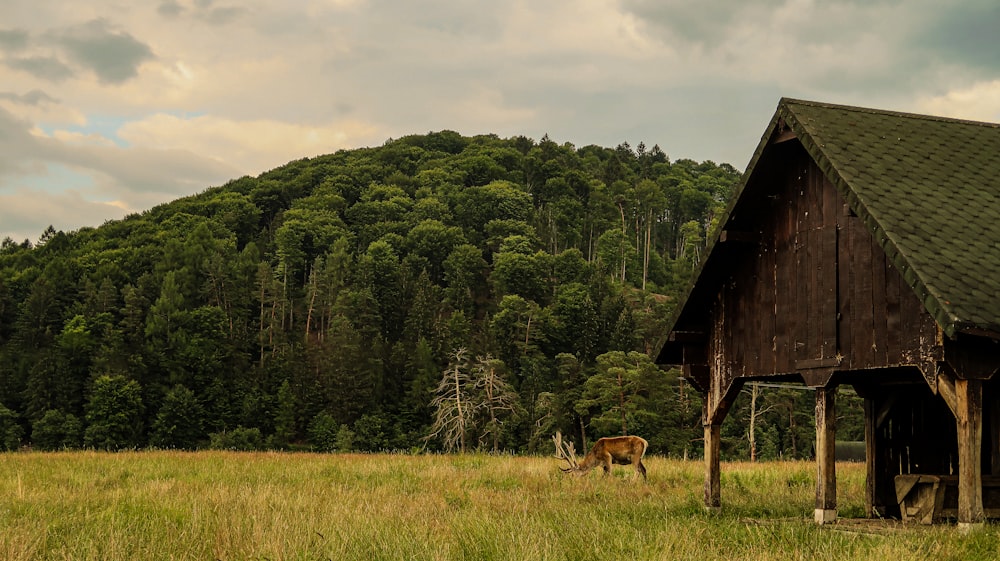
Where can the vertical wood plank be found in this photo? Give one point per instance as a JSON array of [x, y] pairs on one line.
[[880, 334], [828, 298], [740, 301], [857, 358], [832, 204], [862, 310], [845, 271], [811, 295], [768, 283], [893, 323], [800, 321], [910, 312], [784, 253]]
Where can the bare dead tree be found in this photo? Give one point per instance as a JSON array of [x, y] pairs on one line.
[[494, 396], [755, 412], [454, 410]]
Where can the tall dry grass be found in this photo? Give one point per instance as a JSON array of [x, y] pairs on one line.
[[223, 505]]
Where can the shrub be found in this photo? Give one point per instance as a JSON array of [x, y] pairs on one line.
[[345, 439], [57, 430], [323, 432], [240, 439], [11, 430], [370, 434], [179, 423], [114, 414]]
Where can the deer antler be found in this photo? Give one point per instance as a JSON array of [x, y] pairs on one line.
[[565, 451]]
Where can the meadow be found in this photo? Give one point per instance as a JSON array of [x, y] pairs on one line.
[[285, 506]]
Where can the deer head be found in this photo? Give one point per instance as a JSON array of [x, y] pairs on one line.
[[565, 451]]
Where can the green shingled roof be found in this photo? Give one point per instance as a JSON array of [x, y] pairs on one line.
[[929, 190]]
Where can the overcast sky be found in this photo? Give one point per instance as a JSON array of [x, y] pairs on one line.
[[113, 106]]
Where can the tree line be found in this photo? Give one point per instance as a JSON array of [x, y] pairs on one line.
[[439, 292]]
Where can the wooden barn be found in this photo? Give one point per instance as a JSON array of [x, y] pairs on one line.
[[862, 247]]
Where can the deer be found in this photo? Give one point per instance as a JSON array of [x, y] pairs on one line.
[[622, 450]]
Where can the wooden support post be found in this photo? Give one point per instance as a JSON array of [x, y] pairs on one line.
[[969, 420], [826, 459], [994, 406], [713, 485], [716, 407], [871, 449]]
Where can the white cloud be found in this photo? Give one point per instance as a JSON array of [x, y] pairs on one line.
[[249, 146], [490, 110], [70, 137], [26, 212], [978, 102], [145, 102]]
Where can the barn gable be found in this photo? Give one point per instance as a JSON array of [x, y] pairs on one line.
[[861, 247]]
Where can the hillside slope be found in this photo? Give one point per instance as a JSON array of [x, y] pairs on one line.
[[321, 302]]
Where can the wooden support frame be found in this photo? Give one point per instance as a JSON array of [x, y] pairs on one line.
[[713, 469], [871, 453], [965, 399], [969, 420], [946, 389], [716, 407], [994, 428], [826, 457]]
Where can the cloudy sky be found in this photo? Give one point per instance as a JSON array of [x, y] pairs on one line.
[[112, 106]]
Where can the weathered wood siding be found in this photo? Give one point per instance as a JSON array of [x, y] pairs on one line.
[[816, 291]]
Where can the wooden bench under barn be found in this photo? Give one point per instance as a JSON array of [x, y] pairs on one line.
[[925, 498]]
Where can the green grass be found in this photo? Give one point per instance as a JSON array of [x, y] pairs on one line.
[[222, 505]]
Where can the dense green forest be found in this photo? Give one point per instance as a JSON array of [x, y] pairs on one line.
[[439, 291]]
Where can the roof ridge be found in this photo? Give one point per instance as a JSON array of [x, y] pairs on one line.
[[785, 101]]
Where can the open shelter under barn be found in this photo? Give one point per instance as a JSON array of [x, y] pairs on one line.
[[862, 247]]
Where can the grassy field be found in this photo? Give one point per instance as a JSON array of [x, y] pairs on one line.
[[221, 505]]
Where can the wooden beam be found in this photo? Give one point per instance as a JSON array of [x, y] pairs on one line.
[[814, 363], [688, 336], [719, 400], [714, 410], [816, 377], [826, 455], [713, 475], [734, 236], [973, 357], [969, 401], [946, 389], [699, 376], [883, 411], [784, 136]]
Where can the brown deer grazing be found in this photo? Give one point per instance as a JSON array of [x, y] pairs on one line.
[[622, 450]]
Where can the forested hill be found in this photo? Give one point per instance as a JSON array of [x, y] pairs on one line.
[[321, 304]]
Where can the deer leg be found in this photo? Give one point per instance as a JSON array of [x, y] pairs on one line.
[[641, 469]]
